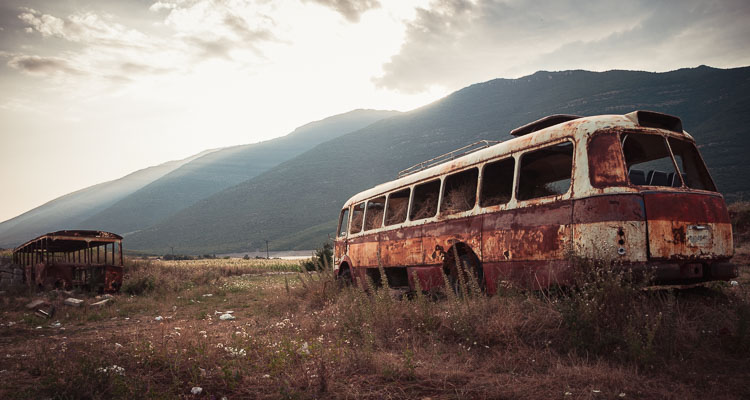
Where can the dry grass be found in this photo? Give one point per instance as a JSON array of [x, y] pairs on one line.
[[425, 206], [460, 198], [300, 336]]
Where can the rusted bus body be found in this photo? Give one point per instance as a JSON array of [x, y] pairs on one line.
[[73, 259], [674, 225]]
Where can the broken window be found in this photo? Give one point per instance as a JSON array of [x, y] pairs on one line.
[[343, 221], [374, 215], [649, 161], [545, 172], [691, 165], [425, 202], [398, 204], [497, 182], [357, 214], [460, 191]]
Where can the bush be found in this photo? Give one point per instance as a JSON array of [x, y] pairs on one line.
[[140, 285], [322, 259]]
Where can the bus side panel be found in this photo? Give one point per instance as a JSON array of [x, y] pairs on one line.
[[528, 245], [363, 251], [611, 227], [445, 233], [339, 251], [401, 247]]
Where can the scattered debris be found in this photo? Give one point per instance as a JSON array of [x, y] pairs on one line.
[[114, 369], [196, 390], [159, 318], [36, 303], [101, 303], [226, 317], [208, 295], [70, 301]]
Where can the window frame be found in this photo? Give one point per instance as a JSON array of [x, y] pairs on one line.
[[519, 162], [346, 210], [514, 173], [388, 204], [444, 185]]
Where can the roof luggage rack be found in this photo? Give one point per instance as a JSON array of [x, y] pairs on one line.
[[470, 148]]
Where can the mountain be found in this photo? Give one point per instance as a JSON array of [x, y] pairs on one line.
[[70, 210], [219, 170], [295, 204]]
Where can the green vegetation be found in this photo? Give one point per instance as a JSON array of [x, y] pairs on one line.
[[295, 204], [321, 260]]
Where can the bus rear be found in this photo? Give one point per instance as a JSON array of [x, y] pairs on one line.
[[677, 225]]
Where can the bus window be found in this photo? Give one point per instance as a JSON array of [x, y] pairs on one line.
[[343, 221], [649, 161], [425, 203], [460, 191], [691, 166], [545, 172], [398, 202], [374, 214], [497, 182], [357, 214]]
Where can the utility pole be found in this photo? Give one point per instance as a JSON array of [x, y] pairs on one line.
[[267, 256]]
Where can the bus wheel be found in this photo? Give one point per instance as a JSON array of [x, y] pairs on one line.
[[344, 279], [473, 273]]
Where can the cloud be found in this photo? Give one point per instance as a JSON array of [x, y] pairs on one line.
[[453, 43], [217, 28], [86, 28], [350, 9], [42, 66]]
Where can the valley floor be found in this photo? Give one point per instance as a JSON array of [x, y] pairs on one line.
[[300, 336]]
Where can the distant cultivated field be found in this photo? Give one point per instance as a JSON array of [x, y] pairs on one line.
[[300, 336]]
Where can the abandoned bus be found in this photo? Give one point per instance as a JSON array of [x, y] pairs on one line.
[[72, 259], [628, 189]]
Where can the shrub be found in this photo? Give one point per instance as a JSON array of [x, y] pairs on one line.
[[322, 259], [140, 285]]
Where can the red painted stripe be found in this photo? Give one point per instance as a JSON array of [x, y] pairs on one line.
[[687, 207], [619, 207]]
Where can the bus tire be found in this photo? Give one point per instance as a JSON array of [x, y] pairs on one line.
[[470, 262], [344, 279]]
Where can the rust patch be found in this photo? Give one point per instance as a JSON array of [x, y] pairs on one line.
[[606, 165]]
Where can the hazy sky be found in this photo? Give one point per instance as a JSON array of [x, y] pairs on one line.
[[91, 90]]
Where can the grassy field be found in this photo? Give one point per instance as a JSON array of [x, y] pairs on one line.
[[300, 336]]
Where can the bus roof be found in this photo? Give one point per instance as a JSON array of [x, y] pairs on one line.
[[69, 240], [566, 128]]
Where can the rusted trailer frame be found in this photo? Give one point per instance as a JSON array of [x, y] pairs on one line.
[[73, 259], [619, 205]]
